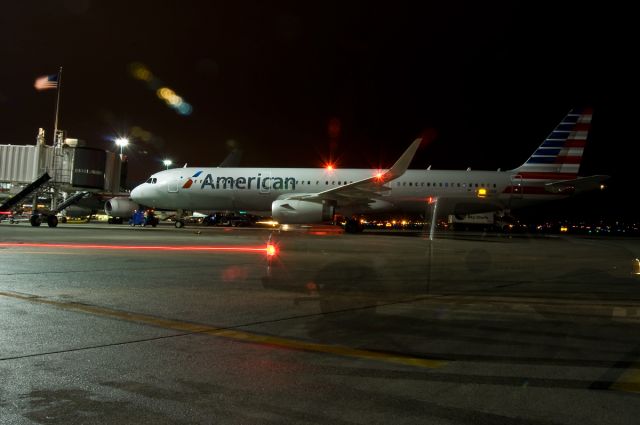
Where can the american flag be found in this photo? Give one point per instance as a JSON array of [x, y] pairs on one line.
[[46, 82]]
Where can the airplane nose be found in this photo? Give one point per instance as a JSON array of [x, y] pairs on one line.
[[137, 194]]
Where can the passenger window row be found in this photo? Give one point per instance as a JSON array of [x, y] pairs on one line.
[[333, 183], [446, 184]]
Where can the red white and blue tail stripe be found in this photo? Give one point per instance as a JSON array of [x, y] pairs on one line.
[[559, 156]]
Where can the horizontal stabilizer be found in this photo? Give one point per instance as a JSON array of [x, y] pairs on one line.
[[232, 160], [580, 184]]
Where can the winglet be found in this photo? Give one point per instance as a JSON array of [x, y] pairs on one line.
[[402, 163]]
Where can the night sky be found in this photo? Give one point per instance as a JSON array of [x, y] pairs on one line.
[[294, 83]]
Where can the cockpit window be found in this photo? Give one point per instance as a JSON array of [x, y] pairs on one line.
[[152, 180]]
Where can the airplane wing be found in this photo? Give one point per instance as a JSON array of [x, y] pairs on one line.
[[366, 190], [577, 185]]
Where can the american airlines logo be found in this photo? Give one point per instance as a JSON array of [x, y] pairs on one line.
[[189, 182]]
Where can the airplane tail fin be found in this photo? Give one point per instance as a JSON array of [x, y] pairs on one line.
[[559, 156]]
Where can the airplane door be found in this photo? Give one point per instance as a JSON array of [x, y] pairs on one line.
[[265, 182], [517, 189], [172, 186]]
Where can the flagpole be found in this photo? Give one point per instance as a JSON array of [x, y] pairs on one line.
[[55, 128]]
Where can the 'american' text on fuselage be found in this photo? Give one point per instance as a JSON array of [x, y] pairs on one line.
[[258, 182]]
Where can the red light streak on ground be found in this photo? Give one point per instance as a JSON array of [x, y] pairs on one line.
[[248, 249]]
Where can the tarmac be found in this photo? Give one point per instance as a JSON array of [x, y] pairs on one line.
[[111, 324]]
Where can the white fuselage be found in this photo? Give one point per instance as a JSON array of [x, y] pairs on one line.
[[254, 189]]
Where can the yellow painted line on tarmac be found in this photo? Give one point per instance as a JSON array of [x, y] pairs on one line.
[[231, 333], [329, 349], [629, 381]]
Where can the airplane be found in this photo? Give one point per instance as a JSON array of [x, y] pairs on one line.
[[315, 195]]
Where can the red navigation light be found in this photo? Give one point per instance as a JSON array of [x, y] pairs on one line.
[[271, 250]]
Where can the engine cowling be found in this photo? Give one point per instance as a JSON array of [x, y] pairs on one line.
[[301, 212], [120, 206]]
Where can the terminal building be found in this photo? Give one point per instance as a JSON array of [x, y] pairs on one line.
[[49, 178]]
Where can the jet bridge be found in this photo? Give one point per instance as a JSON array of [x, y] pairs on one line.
[[56, 173]]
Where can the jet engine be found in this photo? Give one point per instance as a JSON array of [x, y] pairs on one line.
[[301, 212], [120, 206]]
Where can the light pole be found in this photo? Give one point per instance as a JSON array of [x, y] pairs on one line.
[[166, 163], [122, 142]]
